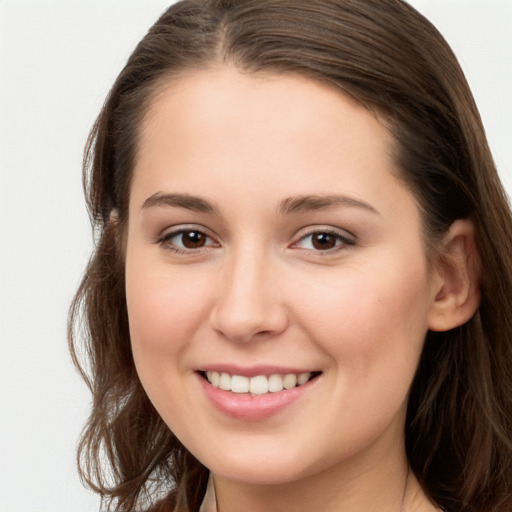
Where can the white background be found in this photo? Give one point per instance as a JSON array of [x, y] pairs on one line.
[[57, 62]]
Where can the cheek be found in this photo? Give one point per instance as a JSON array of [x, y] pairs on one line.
[[372, 328], [164, 309], [365, 318]]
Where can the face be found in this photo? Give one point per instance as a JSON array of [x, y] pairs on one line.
[[276, 278]]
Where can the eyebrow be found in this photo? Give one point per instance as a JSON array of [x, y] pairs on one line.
[[186, 201], [289, 206], [300, 204]]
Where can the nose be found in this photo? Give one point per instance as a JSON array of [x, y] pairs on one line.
[[248, 303]]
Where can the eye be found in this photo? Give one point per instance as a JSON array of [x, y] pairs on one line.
[[185, 240], [324, 241]]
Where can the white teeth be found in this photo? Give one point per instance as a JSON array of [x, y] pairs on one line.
[[290, 381], [258, 385], [275, 383], [225, 381], [239, 384], [303, 378]]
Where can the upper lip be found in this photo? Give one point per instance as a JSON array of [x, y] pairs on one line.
[[255, 370]]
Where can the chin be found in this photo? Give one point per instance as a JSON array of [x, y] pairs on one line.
[[254, 472]]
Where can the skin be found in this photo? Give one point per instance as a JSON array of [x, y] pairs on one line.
[[259, 292]]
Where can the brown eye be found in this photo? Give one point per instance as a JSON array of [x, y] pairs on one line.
[[185, 240], [193, 239], [323, 241]]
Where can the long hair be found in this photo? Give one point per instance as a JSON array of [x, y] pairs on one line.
[[391, 59]]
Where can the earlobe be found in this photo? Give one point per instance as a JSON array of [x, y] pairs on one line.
[[113, 217], [456, 292]]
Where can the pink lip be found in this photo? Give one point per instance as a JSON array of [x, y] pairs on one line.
[[253, 408]]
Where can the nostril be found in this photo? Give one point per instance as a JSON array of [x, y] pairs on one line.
[[244, 311]]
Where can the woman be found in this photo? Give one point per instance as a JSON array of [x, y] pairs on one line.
[[300, 294]]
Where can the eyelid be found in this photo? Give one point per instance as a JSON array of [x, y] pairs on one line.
[[346, 238], [164, 238]]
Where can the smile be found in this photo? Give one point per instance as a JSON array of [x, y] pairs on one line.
[[259, 384], [259, 394]]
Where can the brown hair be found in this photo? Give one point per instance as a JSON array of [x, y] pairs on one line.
[[390, 58]]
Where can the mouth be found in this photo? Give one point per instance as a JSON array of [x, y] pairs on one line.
[[259, 384]]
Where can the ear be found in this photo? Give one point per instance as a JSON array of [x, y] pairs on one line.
[[113, 217], [117, 233], [456, 290], [113, 226]]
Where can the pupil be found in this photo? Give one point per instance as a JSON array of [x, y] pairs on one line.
[[193, 239], [324, 241]]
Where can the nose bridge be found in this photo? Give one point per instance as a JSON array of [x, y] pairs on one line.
[[248, 302]]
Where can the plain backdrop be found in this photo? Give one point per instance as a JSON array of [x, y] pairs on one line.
[[57, 62]]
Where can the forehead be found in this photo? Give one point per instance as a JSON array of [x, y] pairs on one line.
[[278, 135], [206, 96]]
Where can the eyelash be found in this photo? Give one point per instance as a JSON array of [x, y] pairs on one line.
[[342, 241], [165, 241]]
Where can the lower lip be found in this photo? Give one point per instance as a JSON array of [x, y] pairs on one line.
[[253, 408]]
